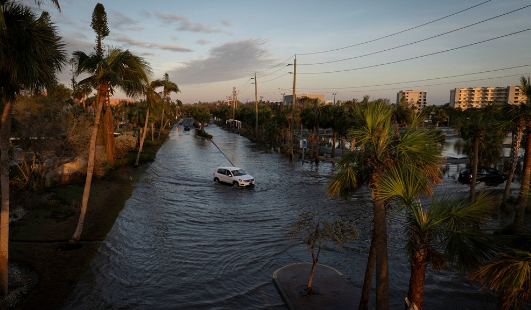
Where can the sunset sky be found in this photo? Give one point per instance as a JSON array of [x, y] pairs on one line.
[[352, 48]]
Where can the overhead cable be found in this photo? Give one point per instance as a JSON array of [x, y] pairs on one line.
[[396, 33], [421, 56]]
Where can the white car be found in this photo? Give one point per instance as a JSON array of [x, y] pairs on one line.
[[233, 175]]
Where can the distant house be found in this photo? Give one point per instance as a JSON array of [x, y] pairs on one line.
[[116, 101]]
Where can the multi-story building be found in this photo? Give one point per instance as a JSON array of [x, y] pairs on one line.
[[416, 98], [478, 97]]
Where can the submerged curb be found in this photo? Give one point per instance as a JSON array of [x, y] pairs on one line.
[[335, 292]]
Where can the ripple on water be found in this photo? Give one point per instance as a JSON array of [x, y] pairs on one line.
[[183, 242]]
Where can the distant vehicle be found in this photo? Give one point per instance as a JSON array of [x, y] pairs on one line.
[[186, 127], [233, 175], [488, 175]]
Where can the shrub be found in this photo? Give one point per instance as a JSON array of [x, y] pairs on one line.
[[124, 144]]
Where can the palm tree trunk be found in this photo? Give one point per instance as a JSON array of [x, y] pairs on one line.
[[161, 121], [515, 149], [472, 196], [5, 135], [102, 94], [108, 136], [380, 247], [317, 143], [153, 131], [142, 139], [312, 143], [334, 138], [418, 263], [519, 213], [367, 281]]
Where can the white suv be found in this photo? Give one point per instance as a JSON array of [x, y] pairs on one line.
[[233, 175]]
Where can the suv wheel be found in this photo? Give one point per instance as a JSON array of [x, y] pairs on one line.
[[216, 180], [235, 184]]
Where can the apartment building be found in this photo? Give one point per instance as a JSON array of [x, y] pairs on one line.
[[478, 97], [416, 98]]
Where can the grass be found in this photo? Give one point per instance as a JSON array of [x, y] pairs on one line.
[[51, 220]]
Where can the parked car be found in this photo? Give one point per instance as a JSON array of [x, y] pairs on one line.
[[186, 127], [233, 175], [488, 175]]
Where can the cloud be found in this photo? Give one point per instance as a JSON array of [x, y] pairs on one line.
[[226, 22], [120, 21], [229, 61], [202, 42], [130, 42], [186, 25]]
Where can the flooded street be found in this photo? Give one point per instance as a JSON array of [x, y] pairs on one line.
[[184, 242]]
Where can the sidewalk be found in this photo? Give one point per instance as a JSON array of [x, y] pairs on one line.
[[335, 292]]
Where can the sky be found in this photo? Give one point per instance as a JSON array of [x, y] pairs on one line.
[[349, 48]]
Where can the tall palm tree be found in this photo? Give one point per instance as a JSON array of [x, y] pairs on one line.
[[474, 126], [151, 98], [168, 87], [519, 213], [517, 117], [118, 69], [380, 148], [39, 54], [446, 224]]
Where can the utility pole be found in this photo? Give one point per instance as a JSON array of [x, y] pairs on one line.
[[293, 106], [233, 105], [256, 105]]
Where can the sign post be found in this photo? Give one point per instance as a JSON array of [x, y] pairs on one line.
[[303, 145]]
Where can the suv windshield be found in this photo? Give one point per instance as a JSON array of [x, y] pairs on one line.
[[238, 172]]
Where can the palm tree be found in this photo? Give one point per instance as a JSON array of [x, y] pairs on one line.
[[168, 87], [151, 98], [508, 273], [118, 69], [4, 25], [39, 54], [517, 116], [474, 126], [519, 213], [381, 148], [446, 224]]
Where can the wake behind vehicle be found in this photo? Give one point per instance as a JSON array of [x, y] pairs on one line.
[[233, 175], [488, 175]]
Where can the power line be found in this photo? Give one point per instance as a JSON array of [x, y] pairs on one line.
[[438, 84], [278, 64], [424, 80], [278, 77], [396, 33], [421, 56], [415, 42]]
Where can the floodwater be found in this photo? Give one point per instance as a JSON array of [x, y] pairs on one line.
[[184, 242]]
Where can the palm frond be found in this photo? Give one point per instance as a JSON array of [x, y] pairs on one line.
[[509, 274]]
